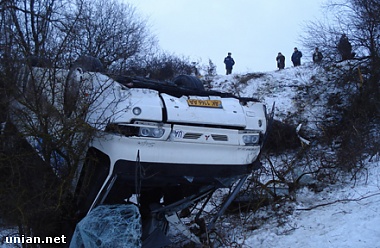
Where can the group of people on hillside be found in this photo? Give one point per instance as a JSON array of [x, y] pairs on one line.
[[296, 58], [344, 47]]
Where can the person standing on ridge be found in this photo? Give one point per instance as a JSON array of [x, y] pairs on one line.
[[317, 56], [280, 61], [345, 47], [230, 62], [296, 57]]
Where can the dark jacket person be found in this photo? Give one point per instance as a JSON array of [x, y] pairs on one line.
[[296, 57], [344, 47], [280, 61], [229, 61]]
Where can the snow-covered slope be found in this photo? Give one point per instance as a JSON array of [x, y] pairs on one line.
[[345, 214]]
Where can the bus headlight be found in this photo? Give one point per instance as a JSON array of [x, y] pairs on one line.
[[251, 139], [151, 132]]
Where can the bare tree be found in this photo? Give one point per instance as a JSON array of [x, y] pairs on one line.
[[37, 39], [360, 21], [111, 31]]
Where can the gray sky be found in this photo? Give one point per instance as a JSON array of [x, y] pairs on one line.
[[253, 31]]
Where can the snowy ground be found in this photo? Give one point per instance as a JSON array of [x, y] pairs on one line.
[[345, 214]]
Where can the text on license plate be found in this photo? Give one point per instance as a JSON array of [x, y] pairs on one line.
[[205, 103]]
